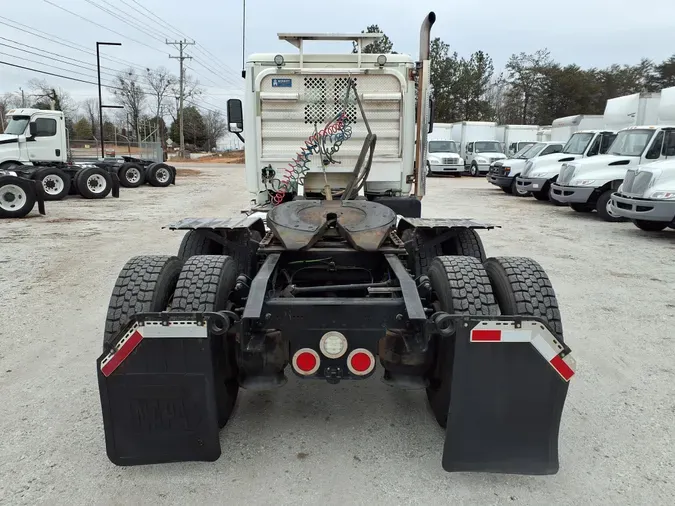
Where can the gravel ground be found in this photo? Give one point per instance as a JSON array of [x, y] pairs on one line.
[[310, 442]]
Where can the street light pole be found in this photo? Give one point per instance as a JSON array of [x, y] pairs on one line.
[[100, 99]]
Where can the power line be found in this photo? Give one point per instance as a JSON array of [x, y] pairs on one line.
[[52, 74], [170, 27], [124, 20], [102, 26], [47, 65], [51, 57]]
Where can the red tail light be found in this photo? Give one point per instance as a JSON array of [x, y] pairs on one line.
[[306, 361], [360, 362]]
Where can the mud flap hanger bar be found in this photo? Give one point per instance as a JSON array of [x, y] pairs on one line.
[[164, 325]]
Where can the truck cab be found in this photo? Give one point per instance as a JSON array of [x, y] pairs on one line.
[[33, 135], [443, 157], [539, 173], [305, 128], [479, 155], [588, 184], [503, 173], [647, 195]]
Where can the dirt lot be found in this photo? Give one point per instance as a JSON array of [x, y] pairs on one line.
[[310, 442]]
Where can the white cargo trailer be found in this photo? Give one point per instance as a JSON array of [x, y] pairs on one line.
[[563, 128], [516, 137], [632, 110]]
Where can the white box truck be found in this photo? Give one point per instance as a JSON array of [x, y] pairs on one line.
[[443, 151], [516, 137], [480, 145], [544, 134], [563, 128]]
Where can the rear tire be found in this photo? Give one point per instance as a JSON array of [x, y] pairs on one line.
[[204, 285], [521, 287], [145, 284], [466, 242], [159, 175], [604, 209], [93, 183], [461, 286], [131, 175], [651, 226], [17, 196], [55, 183], [197, 242]]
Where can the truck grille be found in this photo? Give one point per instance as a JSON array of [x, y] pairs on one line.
[[450, 161], [566, 174], [636, 184]]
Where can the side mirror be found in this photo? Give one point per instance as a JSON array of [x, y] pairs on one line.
[[32, 128], [235, 116]]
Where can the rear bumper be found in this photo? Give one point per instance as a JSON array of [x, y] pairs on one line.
[[531, 184], [447, 169], [572, 194], [643, 209]]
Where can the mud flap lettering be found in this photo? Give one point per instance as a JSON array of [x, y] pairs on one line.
[[152, 416], [506, 402]]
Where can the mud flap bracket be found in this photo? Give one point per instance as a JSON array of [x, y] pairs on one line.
[[509, 384]]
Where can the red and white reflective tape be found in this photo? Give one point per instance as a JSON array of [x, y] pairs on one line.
[[149, 330], [531, 332]]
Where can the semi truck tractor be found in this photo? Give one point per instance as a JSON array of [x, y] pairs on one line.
[[647, 196], [504, 173], [341, 282], [538, 173], [588, 184]]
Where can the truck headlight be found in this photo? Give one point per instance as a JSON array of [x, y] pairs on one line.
[[537, 175], [461, 161], [434, 161], [507, 170], [480, 160], [582, 182], [663, 195]]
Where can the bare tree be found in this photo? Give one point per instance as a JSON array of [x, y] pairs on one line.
[[8, 101], [90, 108], [130, 94], [160, 81], [50, 97], [215, 126], [192, 90]]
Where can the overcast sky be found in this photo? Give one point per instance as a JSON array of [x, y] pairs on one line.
[[585, 32]]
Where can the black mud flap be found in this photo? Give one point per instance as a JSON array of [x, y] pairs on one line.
[[157, 392], [40, 197], [510, 381], [116, 185], [410, 207]]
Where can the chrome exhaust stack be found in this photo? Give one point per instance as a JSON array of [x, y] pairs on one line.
[[423, 102]]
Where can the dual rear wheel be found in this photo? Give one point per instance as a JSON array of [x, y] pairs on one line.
[[203, 283]]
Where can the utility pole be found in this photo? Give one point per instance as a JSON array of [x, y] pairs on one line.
[[180, 45], [23, 99]]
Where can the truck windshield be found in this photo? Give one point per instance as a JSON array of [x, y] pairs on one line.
[[523, 150], [487, 147], [443, 147], [577, 143], [17, 125], [631, 142], [532, 151]]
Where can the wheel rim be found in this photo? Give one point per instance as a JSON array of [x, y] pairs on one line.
[[96, 183], [608, 208], [133, 175], [474, 169], [12, 198], [53, 184], [162, 175]]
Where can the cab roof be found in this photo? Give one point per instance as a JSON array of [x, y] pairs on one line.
[[30, 112]]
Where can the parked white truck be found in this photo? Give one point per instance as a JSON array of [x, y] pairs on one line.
[[588, 184], [480, 145], [503, 173], [647, 195], [539, 173], [443, 152]]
